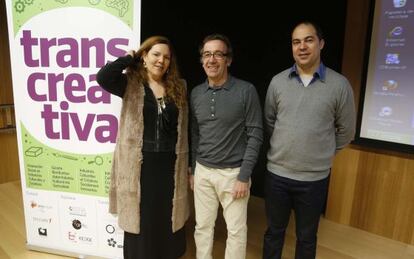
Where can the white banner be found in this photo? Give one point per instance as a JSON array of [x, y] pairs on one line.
[[66, 124]]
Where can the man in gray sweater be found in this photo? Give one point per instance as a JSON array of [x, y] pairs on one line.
[[310, 115], [227, 132]]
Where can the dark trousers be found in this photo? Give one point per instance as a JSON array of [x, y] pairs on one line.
[[307, 199]]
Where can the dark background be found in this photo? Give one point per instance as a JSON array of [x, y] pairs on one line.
[[260, 34]]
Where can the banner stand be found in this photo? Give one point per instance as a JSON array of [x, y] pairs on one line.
[[66, 124]]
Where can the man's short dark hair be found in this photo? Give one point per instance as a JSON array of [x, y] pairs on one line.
[[217, 36], [317, 28]]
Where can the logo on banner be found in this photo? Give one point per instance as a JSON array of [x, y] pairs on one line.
[[110, 229], [113, 243], [74, 237], [77, 211], [77, 224], [42, 220], [42, 231], [40, 207]]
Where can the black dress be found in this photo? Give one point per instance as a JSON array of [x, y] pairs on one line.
[[156, 239]]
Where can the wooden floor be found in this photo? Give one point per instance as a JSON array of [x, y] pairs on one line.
[[335, 241]]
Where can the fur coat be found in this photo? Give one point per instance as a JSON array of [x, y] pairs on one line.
[[124, 192]]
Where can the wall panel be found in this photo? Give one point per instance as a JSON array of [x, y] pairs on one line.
[[6, 92], [9, 166]]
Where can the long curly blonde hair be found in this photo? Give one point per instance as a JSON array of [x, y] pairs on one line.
[[174, 85]]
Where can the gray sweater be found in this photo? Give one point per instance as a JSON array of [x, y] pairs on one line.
[[307, 125]]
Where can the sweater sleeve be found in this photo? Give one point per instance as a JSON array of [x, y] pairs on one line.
[[345, 118], [111, 77], [270, 108]]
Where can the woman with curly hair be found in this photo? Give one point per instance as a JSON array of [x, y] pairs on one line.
[[148, 189]]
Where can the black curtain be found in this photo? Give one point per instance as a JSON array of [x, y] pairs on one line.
[[260, 34]]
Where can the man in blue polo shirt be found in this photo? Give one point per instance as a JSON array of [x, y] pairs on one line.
[[310, 115]]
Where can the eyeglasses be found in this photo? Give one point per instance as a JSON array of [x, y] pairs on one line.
[[217, 55]]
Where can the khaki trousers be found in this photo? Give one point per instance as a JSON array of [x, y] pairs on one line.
[[211, 188]]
